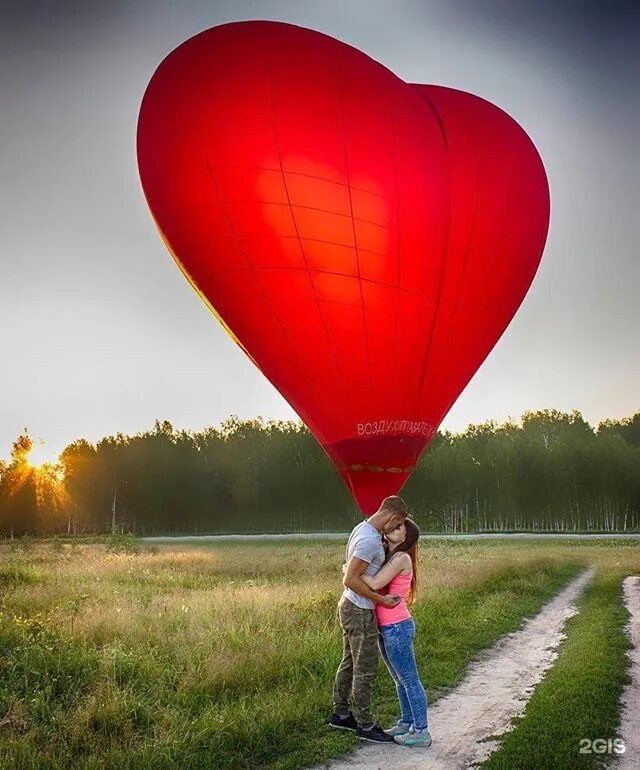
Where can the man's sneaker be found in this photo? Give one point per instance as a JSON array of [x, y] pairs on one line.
[[418, 738], [400, 728], [375, 734], [343, 723]]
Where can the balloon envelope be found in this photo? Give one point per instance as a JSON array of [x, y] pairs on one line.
[[364, 240]]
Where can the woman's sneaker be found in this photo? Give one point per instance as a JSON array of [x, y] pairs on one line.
[[418, 738], [400, 728], [375, 734]]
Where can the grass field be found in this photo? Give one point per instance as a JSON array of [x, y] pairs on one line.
[[123, 656]]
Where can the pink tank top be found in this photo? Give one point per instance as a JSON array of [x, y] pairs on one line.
[[400, 586]]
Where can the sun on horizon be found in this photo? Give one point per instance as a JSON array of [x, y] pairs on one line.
[[40, 455]]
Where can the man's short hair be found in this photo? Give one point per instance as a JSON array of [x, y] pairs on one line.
[[394, 504]]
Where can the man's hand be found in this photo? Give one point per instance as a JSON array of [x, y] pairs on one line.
[[390, 600]]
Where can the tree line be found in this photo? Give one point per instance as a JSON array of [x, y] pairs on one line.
[[550, 471]]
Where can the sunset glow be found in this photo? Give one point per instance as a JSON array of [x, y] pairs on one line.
[[41, 454]]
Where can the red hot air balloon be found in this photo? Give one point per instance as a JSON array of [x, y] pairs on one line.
[[364, 240]]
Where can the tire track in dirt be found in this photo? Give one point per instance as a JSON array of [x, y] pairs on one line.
[[630, 703]]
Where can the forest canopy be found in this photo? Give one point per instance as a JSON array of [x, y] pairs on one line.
[[550, 471]]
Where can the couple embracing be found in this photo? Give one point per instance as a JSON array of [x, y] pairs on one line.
[[379, 581]]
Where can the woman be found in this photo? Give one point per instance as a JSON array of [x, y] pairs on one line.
[[397, 631]]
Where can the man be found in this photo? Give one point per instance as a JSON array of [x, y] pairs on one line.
[[359, 664]]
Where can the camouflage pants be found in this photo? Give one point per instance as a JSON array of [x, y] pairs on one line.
[[359, 664]]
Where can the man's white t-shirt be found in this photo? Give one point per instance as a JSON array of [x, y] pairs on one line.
[[365, 542]]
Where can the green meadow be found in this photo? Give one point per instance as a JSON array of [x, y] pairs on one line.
[[117, 654]]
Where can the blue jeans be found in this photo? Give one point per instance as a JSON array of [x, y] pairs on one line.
[[396, 648]]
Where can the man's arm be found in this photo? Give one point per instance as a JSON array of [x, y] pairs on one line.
[[353, 580]]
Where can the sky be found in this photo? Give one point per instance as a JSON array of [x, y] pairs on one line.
[[99, 330]]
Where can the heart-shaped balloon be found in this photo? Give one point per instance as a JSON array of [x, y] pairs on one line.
[[364, 240]]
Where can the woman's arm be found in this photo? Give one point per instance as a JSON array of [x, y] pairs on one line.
[[384, 576], [353, 579]]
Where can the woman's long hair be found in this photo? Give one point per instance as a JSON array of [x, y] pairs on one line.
[[410, 546]]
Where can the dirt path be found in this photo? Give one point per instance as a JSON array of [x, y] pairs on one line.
[[630, 717], [495, 689]]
